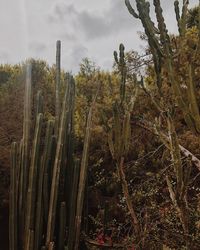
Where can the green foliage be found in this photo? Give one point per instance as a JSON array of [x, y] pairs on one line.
[[87, 83]]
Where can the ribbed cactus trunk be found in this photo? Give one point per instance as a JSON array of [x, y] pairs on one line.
[[25, 147], [82, 181], [62, 226], [123, 70], [57, 105], [13, 223], [83, 175], [32, 185], [74, 188]]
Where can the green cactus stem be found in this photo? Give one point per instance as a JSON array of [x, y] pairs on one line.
[[57, 106], [33, 173]]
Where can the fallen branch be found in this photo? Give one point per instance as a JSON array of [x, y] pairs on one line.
[[148, 126]]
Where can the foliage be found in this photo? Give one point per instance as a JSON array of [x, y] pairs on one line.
[[138, 172]]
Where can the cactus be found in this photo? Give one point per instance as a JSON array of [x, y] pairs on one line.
[[25, 147], [13, 199], [45, 170], [57, 105], [192, 97], [161, 49], [57, 169], [33, 173], [122, 68], [177, 12], [62, 226], [39, 103], [119, 141], [50, 174], [30, 240], [48, 148], [72, 210], [82, 180]]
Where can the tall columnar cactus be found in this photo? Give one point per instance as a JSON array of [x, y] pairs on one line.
[[41, 202], [82, 180], [32, 187], [25, 146], [57, 168], [119, 140], [57, 105], [13, 223], [46, 164], [39, 103], [161, 48], [44, 176], [62, 226], [75, 179], [120, 61]]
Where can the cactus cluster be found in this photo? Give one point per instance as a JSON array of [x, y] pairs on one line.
[[164, 56], [44, 206]]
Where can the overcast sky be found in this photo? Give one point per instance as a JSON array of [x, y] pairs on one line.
[[87, 28]]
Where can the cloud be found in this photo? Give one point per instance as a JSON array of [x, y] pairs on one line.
[[37, 47], [61, 12], [73, 58], [120, 17], [70, 37], [93, 26], [108, 23], [4, 56], [89, 23], [86, 28]]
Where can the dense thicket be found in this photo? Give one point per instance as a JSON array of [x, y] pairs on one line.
[[143, 170]]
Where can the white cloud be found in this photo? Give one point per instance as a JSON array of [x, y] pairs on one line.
[[86, 28]]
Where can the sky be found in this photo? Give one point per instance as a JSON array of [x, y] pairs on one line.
[[86, 28]]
